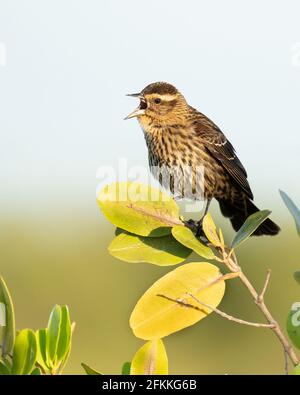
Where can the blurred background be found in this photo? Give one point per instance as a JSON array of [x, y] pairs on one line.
[[66, 67]]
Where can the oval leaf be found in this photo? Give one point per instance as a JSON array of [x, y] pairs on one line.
[[296, 370], [90, 371], [139, 208], [64, 341], [41, 340], [297, 276], [53, 334], [210, 230], [249, 226], [186, 237], [4, 369], [7, 310], [36, 372], [24, 354], [162, 251], [294, 210], [158, 314], [150, 359], [126, 368], [293, 324]]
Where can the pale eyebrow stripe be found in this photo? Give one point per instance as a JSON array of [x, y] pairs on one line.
[[165, 97]]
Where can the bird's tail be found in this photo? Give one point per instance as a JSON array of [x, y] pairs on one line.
[[238, 210]]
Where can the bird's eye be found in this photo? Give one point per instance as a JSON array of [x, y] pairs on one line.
[[157, 100]]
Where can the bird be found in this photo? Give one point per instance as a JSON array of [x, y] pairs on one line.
[[183, 142]]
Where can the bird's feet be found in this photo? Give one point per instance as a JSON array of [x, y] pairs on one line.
[[195, 226], [199, 231]]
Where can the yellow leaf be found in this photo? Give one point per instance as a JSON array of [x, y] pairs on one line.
[[210, 230], [139, 208], [150, 359], [155, 317]]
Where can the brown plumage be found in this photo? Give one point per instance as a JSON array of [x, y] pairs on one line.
[[185, 144]]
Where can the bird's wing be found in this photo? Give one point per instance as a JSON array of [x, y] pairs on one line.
[[221, 149]]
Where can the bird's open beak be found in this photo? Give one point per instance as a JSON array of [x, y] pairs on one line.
[[138, 111]]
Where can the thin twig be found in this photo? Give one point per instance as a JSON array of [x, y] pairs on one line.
[[222, 277], [286, 362], [262, 294], [231, 263], [182, 302], [230, 317]]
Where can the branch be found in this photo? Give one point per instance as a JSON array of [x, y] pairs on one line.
[[182, 302], [262, 294], [230, 261], [230, 317], [286, 362]]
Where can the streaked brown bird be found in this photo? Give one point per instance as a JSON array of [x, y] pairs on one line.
[[183, 140]]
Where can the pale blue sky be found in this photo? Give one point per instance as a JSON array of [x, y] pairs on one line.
[[70, 64]]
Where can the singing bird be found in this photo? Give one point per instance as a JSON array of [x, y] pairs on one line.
[[182, 138]]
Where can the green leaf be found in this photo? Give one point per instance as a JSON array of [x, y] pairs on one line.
[[167, 306], [296, 370], [24, 354], [90, 371], [210, 230], [58, 336], [4, 369], [7, 309], [297, 276], [64, 342], [139, 208], [41, 340], [249, 226], [162, 251], [36, 372], [186, 237], [294, 210], [150, 359], [126, 369], [53, 334], [293, 324]]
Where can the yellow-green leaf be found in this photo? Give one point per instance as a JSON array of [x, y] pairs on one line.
[[53, 334], [297, 276], [162, 251], [210, 230], [139, 208], [249, 226], [4, 369], [296, 370], [7, 314], [126, 368], [58, 336], [24, 354], [293, 324], [155, 317], [36, 372], [64, 341], [186, 237], [150, 359], [90, 371], [41, 340]]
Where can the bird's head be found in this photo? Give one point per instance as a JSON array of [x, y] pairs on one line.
[[159, 102]]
